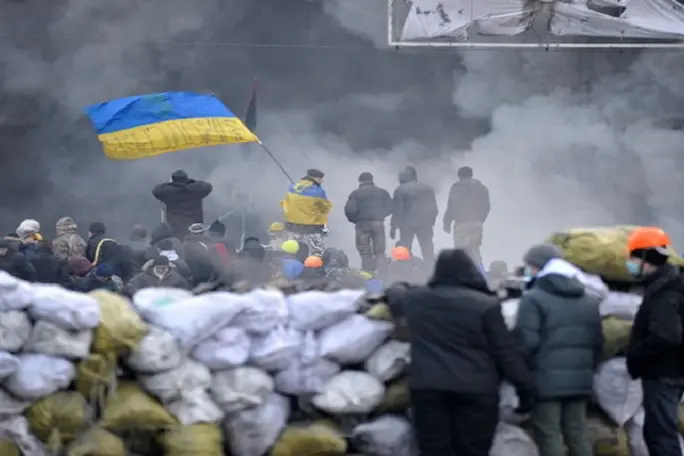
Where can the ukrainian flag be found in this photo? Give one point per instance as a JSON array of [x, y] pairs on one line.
[[306, 203], [149, 125]]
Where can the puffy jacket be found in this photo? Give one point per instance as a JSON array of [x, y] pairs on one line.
[[468, 202], [414, 203], [368, 203], [159, 233], [48, 268], [306, 206], [459, 341], [561, 329], [147, 279], [102, 249], [15, 263], [183, 203]]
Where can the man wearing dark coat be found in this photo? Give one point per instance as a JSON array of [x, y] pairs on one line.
[[182, 198]]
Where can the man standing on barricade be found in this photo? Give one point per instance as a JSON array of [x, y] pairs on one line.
[[182, 198]]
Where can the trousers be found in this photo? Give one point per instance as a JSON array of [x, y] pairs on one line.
[[563, 421], [424, 234], [370, 242]]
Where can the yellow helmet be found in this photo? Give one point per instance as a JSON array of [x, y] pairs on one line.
[[276, 226], [290, 247]]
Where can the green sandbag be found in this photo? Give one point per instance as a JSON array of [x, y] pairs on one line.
[[600, 251], [615, 336], [606, 440]]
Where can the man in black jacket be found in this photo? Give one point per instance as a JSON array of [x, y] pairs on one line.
[[15, 263], [655, 353], [105, 250], [460, 348], [182, 198], [414, 211], [367, 208]]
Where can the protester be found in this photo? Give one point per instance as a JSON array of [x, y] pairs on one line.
[[287, 265], [403, 267], [460, 348], [68, 243], [414, 212], [79, 266], [13, 241], [467, 209], [223, 250], [136, 247], [251, 265], [277, 235], [29, 231], [338, 272], [654, 354], [182, 198], [48, 268], [197, 255], [561, 331], [13, 262], [104, 250], [367, 208], [497, 273], [181, 266], [313, 271], [102, 277], [306, 208], [159, 272], [159, 233]]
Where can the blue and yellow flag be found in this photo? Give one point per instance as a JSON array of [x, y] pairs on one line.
[[149, 125]]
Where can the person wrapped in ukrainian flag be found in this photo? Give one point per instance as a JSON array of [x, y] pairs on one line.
[[306, 208]]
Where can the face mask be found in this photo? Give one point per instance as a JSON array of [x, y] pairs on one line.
[[527, 273], [633, 267], [159, 272]]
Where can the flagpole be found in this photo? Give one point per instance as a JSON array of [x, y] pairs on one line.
[[275, 160]]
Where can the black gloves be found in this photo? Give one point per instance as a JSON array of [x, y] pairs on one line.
[[526, 400]]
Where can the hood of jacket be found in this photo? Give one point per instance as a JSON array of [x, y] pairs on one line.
[[408, 174], [160, 232], [66, 225], [456, 268], [560, 278], [172, 255], [253, 250]]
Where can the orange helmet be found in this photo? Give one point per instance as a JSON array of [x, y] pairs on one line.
[[648, 237], [313, 262], [401, 254]]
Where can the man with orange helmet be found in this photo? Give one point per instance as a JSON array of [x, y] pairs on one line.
[[655, 353]]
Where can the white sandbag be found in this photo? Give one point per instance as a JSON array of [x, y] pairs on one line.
[[252, 432], [315, 310], [157, 352], [67, 309], [228, 348], [50, 339], [15, 294], [16, 429], [151, 298], [510, 440], [277, 350], [196, 406], [388, 435], [8, 364], [264, 311], [241, 388], [621, 305], [389, 361], [353, 339], [39, 375], [169, 386], [197, 319], [509, 310], [350, 392], [10, 405], [616, 393], [508, 402], [635, 435], [593, 285], [15, 330]]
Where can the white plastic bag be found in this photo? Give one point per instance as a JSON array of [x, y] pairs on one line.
[[277, 350], [635, 435], [197, 319], [67, 309], [15, 294], [15, 330], [264, 311], [228, 348], [157, 352], [621, 305], [509, 310], [616, 393], [39, 375], [508, 402], [152, 298], [50, 339], [196, 406], [16, 429], [252, 432], [510, 440], [593, 285], [315, 310], [170, 385], [241, 388], [389, 360], [388, 435], [8, 364], [354, 339], [350, 392], [10, 405]]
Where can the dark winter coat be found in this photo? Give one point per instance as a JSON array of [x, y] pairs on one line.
[[16, 264], [468, 203], [110, 252], [183, 203], [136, 251], [48, 268], [561, 329], [162, 232], [414, 203], [656, 345], [368, 203], [459, 341], [200, 261], [147, 279], [91, 283]]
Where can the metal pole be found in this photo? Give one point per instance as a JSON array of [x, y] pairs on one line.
[[536, 46]]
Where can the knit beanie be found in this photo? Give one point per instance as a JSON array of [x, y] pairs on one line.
[[366, 177], [97, 228], [541, 254], [315, 173]]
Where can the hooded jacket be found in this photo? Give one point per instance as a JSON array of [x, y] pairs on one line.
[[48, 268], [414, 203], [147, 279], [468, 203], [560, 326], [15, 263], [459, 341], [159, 233], [68, 243], [368, 203], [251, 265], [183, 202]]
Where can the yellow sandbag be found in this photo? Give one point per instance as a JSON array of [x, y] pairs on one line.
[[201, 439], [57, 419], [95, 376], [606, 439], [309, 440], [131, 408], [379, 311], [97, 442], [397, 397], [601, 251], [8, 448], [615, 336], [120, 327]]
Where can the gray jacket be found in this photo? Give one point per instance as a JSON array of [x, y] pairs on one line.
[[561, 329]]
